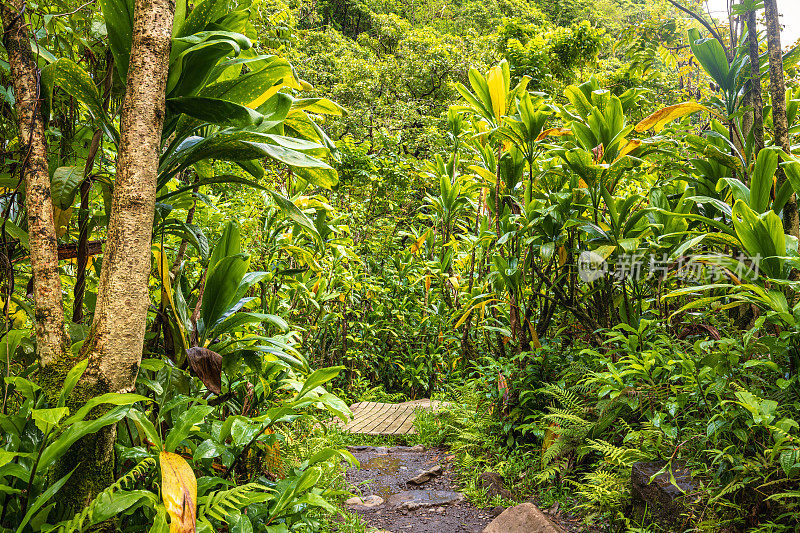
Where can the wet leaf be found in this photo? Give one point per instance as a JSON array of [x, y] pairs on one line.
[[179, 492], [662, 117], [207, 364], [554, 132]]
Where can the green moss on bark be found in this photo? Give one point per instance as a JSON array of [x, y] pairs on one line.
[[91, 459]]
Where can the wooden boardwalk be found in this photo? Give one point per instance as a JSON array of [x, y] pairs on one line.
[[373, 418]]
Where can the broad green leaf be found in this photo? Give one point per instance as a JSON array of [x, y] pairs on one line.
[[118, 16], [254, 88], [711, 55], [295, 214], [74, 81], [110, 398], [762, 237], [229, 244], [76, 431], [216, 111], [223, 178], [64, 185], [317, 378], [47, 419], [202, 15], [42, 499], [319, 106], [763, 178], [221, 286], [239, 319], [146, 428], [25, 387], [290, 156], [195, 415], [75, 374]]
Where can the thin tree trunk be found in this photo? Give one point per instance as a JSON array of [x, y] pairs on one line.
[[52, 341], [79, 290], [756, 99], [778, 93], [83, 230]]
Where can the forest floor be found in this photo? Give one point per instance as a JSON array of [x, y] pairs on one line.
[[432, 507], [393, 504]]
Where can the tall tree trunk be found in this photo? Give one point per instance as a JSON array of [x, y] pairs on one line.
[[778, 93], [116, 338], [52, 341], [755, 97]]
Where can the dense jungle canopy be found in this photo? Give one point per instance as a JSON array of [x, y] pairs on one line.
[[225, 222]]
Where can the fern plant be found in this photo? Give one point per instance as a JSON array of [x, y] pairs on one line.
[[225, 505], [111, 501]]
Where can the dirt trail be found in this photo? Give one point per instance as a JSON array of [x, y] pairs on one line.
[[432, 507]]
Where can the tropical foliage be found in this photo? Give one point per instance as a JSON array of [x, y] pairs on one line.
[[575, 219]]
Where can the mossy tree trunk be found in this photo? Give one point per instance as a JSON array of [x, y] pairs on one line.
[[754, 94], [777, 84], [116, 339], [52, 341]]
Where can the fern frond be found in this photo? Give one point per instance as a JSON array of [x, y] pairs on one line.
[[89, 515], [221, 504]]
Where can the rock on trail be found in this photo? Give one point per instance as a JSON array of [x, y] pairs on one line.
[[432, 506]]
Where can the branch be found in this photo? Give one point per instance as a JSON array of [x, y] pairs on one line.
[[701, 20]]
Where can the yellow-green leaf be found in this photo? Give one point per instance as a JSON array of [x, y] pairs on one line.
[[179, 492], [417, 245], [47, 418], [74, 81], [497, 91], [554, 132], [664, 116]]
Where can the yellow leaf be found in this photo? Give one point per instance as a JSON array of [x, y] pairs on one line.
[[497, 91], [427, 283], [605, 250], [341, 297], [61, 219], [463, 318], [662, 117], [273, 462], [179, 492], [550, 436], [288, 81], [562, 256], [554, 132], [630, 147], [417, 245], [162, 264], [454, 282]]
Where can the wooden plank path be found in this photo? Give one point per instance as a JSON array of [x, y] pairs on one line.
[[374, 418]]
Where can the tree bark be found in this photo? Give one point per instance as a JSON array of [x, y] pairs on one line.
[[755, 97], [52, 341], [117, 336], [116, 339], [778, 93]]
